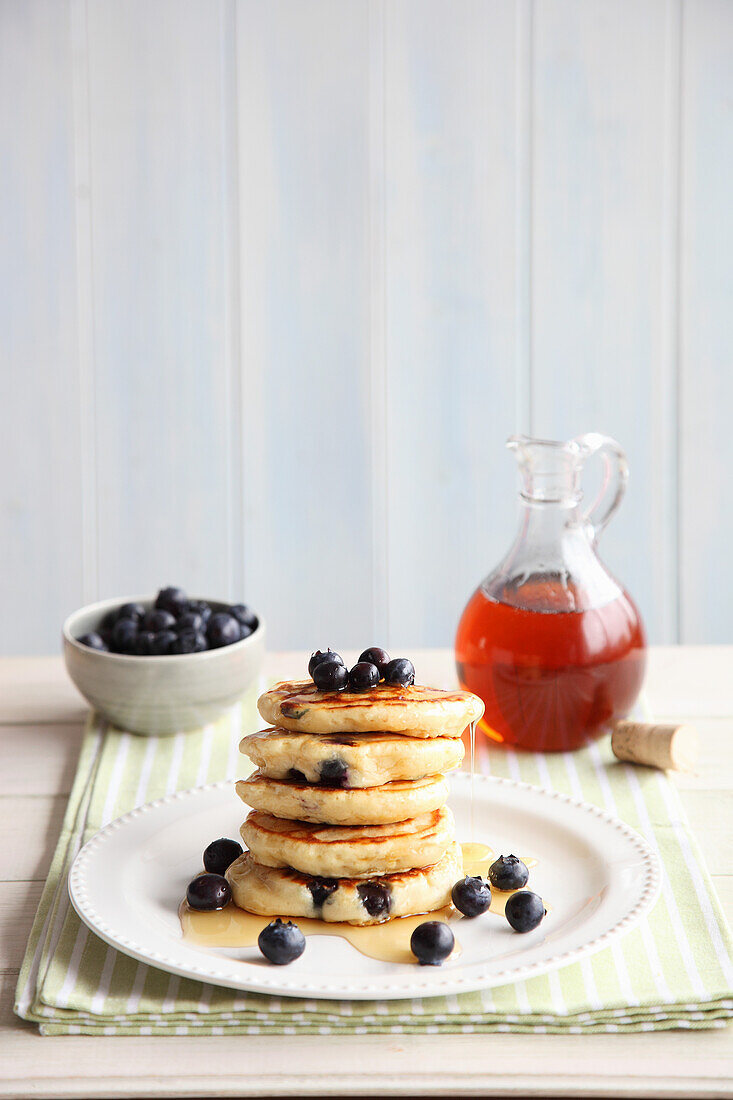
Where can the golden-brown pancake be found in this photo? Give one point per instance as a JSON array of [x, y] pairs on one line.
[[337, 851], [413, 711], [280, 892], [350, 759], [396, 801]]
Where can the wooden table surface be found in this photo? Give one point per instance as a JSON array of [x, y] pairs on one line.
[[41, 720]]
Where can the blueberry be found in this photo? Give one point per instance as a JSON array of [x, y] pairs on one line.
[[508, 873], [163, 642], [330, 676], [124, 635], [171, 599], [189, 641], [220, 854], [222, 629], [376, 656], [144, 646], [400, 672], [363, 676], [190, 620], [244, 616], [333, 773], [432, 942], [376, 897], [131, 611], [321, 890], [208, 892], [157, 619], [281, 943], [524, 910], [109, 620], [471, 896], [322, 655], [93, 640], [198, 607], [296, 776]]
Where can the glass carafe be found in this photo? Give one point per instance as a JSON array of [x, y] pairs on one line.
[[550, 640]]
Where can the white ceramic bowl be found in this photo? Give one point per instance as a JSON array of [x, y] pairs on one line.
[[159, 695]]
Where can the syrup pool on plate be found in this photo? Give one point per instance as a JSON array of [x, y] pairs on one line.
[[389, 941]]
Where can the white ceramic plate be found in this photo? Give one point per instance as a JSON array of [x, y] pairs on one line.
[[598, 876]]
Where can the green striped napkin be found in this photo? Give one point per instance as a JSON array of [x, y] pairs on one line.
[[674, 970]]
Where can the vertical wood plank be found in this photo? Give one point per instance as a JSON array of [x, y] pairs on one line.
[[41, 516], [706, 327], [303, 76], [454, 85], [378, 319], [605, 93], [161, 161]]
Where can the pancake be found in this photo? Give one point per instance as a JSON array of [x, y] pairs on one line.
[[335, 851], [413, 711], [279, 892], [350, 760], [382, 805]]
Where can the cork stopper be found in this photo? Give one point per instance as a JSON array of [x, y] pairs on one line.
[[664, 745]]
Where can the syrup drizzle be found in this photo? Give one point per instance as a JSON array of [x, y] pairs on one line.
[[233, 927], [389, 941], [473, 768]]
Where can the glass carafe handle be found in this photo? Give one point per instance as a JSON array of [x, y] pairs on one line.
[[615, 477]]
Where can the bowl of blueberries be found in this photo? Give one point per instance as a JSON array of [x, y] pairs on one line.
[[163, 664]]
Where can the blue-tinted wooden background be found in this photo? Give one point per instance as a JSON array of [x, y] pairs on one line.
[[277, 279]]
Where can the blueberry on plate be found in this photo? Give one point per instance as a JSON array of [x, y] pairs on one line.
[[124, 635], [376, 656], [163, 643], [432, 942], [400, 672], [330, 676], [222, 629], [190, 620], [208, 892], [281, 943], [171, 599], [131, 611], [524, 910], [144, 646], [189, 641], [471, 896], [93, 640], [220, 854], [321, 655], [244, 616], [508, 873], [157, 619], [363, 676]]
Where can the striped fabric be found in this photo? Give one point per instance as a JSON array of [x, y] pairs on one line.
[[674, 970]]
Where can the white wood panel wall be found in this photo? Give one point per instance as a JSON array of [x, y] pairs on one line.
[[278, 279]]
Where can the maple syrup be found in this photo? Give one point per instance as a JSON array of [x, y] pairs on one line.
[[550, 680], [389, 941], [550, 641]]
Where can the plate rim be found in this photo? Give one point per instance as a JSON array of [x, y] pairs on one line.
[[380, 989]]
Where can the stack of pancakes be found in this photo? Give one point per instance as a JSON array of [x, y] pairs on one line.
[[350, 824]]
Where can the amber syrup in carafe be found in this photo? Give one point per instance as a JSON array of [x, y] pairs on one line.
[[551, 680]]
